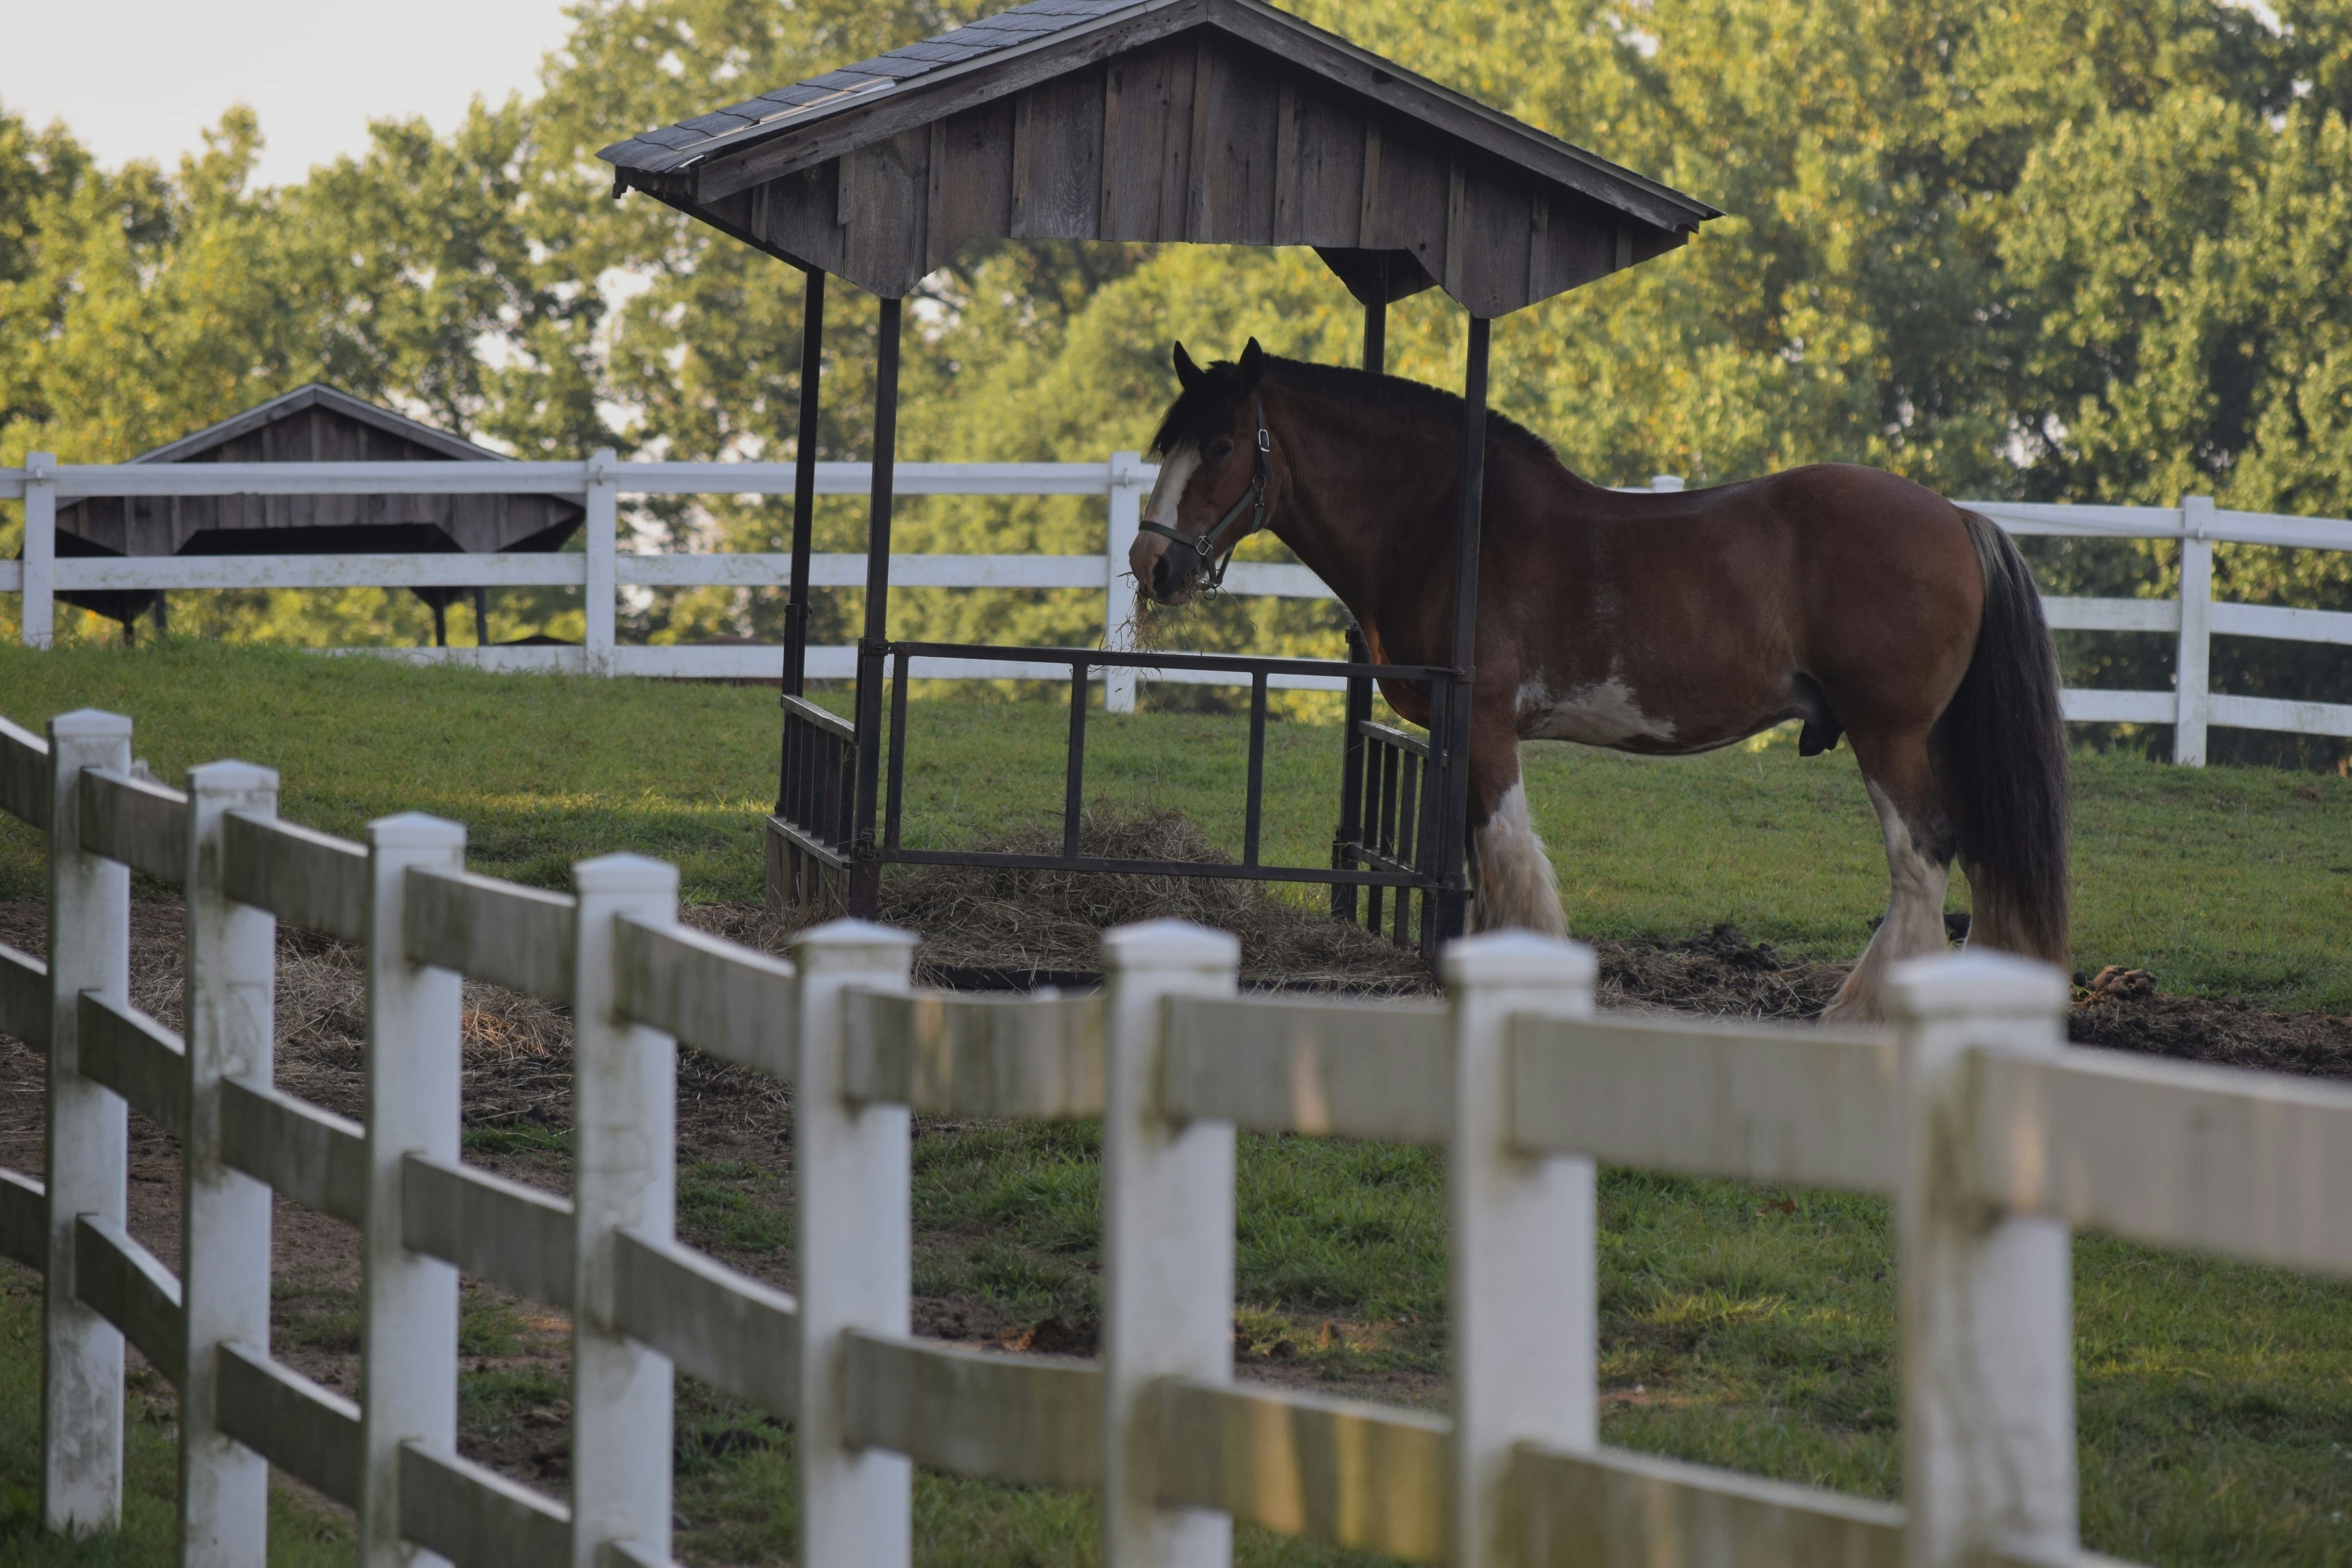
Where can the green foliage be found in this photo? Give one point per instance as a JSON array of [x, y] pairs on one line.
[[2086, 252]]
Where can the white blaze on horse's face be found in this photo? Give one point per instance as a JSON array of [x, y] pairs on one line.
[[1165, 507]]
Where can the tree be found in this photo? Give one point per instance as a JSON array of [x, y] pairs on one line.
[[2087, 250]]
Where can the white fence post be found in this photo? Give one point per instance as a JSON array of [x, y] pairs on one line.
[[1129, 481], [856, 1269], [2193, 666], [623, 1160], [1522, 1302], [602, 531], [408, 1321], [38, 626], [224, 1213], [1167, 1242], [1984, 1303], [90, 950]]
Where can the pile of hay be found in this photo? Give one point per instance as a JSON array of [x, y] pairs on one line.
[[998, 922], [998, 918]]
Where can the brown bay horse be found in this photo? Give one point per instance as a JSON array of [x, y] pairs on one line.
[[1665, 625]]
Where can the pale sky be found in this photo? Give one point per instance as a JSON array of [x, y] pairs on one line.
[[143, 78]]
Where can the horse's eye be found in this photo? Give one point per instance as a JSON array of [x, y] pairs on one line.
[[1219, 449]]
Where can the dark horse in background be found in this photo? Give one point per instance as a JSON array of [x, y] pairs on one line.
[[1659, 624]]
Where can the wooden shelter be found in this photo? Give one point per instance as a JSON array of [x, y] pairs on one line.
[[1206, 122], [313, 424]]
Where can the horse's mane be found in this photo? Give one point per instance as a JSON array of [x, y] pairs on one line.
[[1207, 407]]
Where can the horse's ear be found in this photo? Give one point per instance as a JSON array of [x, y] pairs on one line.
[[1187, 372], [1252, 364]]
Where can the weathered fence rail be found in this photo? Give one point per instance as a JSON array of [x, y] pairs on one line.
[[603, 570], [1991, 1136]]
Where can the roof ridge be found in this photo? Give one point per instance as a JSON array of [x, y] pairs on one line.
[[311, 394]]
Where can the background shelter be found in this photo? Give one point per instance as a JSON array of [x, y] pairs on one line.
[[313, 424], [1206, 122]]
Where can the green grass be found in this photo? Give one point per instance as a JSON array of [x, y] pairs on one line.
[[2222, 880], [301, 1534], [1744, 1327]]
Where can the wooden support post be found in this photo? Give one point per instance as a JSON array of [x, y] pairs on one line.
[[408, 1315], [1453, 816], [231, 985], [1984, 1303], [1523, 1305], [1168, 1243], [2192, 668], [601, 532], [1129, 484], [796, 603], [866, 863], [625, 1156], [90, 950], [853, 1207], [38, 618]]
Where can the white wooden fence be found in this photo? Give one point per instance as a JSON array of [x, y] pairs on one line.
[[1991, 1135], [601, 571]]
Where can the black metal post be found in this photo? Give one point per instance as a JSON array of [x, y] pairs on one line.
[[1358, 709], [1358, 706], [796, 605], [1254, 808], [1454, 899], [894, 813], [865, 868], [1074, 780]]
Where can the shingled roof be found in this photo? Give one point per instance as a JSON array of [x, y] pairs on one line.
[[1217, 121], [675, 146]]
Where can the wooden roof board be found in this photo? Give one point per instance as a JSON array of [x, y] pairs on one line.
[[1219, 122], [318, 394], [318, 423]]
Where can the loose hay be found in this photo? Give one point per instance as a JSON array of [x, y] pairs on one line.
[[1014, 921], [995, 917], [1721, 973]]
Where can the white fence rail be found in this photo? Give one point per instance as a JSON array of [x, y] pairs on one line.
[[1991, 1135], [603, 571]]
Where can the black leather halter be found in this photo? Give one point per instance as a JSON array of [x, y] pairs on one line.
[[1206, 543]]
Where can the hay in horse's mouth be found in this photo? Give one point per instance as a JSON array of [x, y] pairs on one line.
[[1188, 625]]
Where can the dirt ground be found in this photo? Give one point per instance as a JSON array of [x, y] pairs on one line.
[[517, 1079]]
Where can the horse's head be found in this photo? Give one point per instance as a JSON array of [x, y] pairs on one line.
[[1212, 476]]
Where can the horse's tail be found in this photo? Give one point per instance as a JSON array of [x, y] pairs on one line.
[[2004, 757]]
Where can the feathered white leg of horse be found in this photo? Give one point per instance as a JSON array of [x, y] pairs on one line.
[[1515, 884]]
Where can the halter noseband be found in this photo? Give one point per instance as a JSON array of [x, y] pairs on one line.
[[1205, 543]]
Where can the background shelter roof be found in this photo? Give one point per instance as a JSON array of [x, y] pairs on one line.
[[316, 424], [1213, 121]]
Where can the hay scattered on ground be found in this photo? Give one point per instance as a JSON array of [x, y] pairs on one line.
[[996, 918], [2224, 1030], [1014, 923], [1721, 973]]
